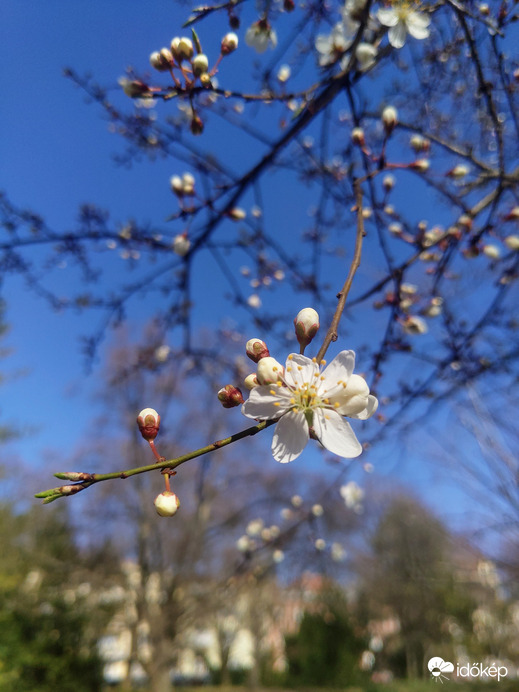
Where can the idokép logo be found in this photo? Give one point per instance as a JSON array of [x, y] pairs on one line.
[[438, 669]]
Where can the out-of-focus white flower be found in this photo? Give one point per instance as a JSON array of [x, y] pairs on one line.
[[413, 324], [338, 553], [260, 36], [162, 353], [459, 171], [296, 500], [320, 544], [304, 398], [244, 544], [317, 510], [278, 556], [254, 527], [352, 494], [389, 118], [389, 182], [284, 73], [254, 301], [401, 20], [332, 46]]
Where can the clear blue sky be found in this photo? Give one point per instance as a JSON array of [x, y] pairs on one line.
[[55, 155]]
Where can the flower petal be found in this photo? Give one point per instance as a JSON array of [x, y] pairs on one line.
[[300, 369], [262, 404], [417, 26], [290, 437], [387, 17], [334, 433], [370, 409], [397, 35], [340, 369]]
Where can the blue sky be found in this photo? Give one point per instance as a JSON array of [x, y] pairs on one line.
[[56, 154]]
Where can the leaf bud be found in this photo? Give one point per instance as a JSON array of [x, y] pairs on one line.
[[306, 324], [167, 504], [256, 349], [230, 396], [148, 421]]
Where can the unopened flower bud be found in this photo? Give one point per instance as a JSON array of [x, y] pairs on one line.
[[256, 349], [419, 143], [229, 43], [513, 214], [420, 165], [512, 242], [459, 171], [184, 49], [389, 182], [181, 244], [306, 324], [188, 184], [167, 504], [251, 381], [414, 325], [492, 251], [357, 136], [177, 186], [237, 214], [148, 421], [389, 119], [134, 88], [269, 371], [230, 396], [200, 64]]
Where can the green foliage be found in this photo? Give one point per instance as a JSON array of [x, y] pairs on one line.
[[326, 650], [48, 627]]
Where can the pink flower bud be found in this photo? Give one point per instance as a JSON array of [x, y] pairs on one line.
[[167, 504], [306, 324], [148, 421], [256, 349], [230, 396], [269, 371]]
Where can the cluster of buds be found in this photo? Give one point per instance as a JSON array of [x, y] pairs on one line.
[[182, 186], [269, 370]]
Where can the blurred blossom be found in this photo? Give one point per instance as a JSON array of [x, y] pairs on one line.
[[352, 494], [297, 500], [320, 544], [317, 510], [284, 73], [254, 301], [254, 527], [162, 353], [260, 36], [337, 552], [278, 556], [402, 20]]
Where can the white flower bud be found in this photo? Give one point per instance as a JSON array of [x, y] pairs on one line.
[[389, 182], [237, 214], [389, 119], [459, 171], [284, 73], [317, 510], [162, 60], [269, 371], [421, 165], [251, 381], [512, 242], [148, 421], [185, 49], [177, 186], [181, 244], [200, 64], [357, 136], [229, 43], [492, 251], [256, 349], [365, 54], [306, 325], [414, 325], [278, 556], [167, 504]]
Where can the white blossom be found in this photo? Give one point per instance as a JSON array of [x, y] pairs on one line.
[[305, 399], [401, 20], [260, 35], [352, 494]]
